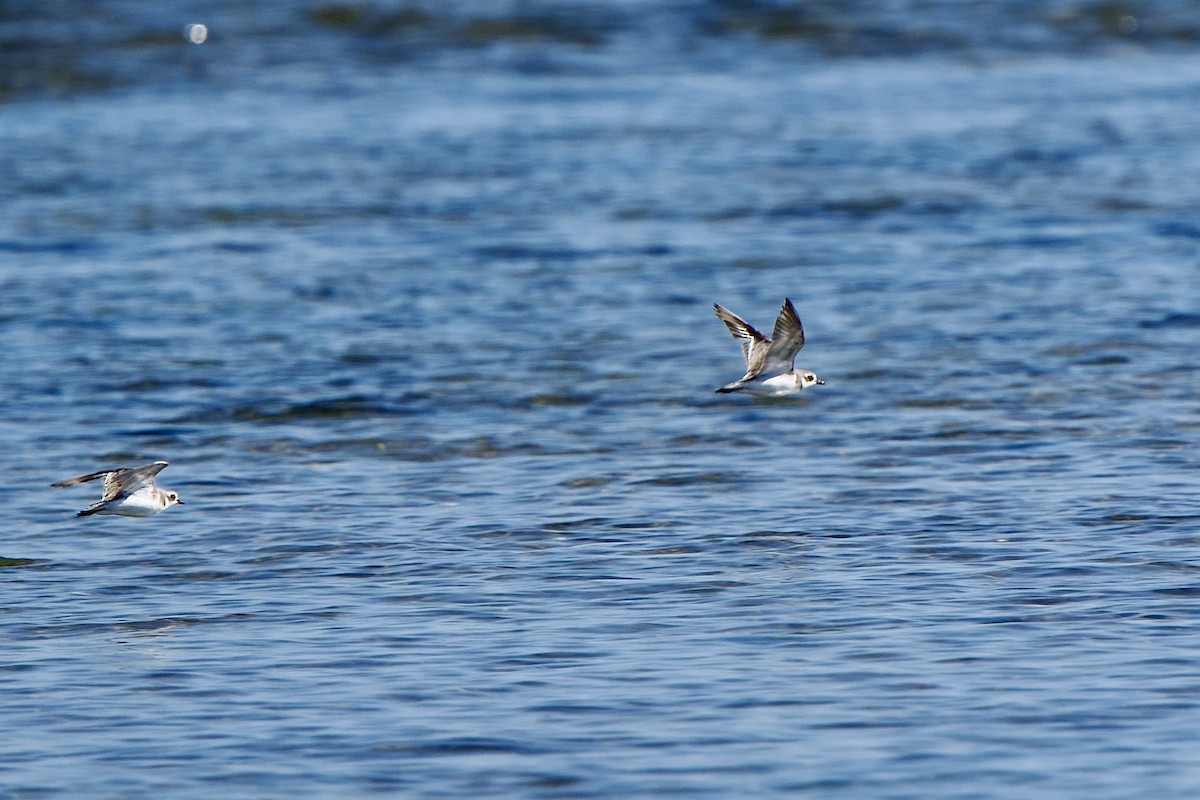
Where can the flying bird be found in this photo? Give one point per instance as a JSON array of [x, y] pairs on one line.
[[128, 491], [770, 363]]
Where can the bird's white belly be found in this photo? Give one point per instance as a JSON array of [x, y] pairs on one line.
[[776, 386], [138, 504]]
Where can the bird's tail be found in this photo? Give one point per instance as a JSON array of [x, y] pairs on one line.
[[94, 508]]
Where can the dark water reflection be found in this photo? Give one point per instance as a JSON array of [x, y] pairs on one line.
[[417, 302]]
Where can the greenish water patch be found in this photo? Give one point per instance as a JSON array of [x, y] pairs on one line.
[[19, 562]]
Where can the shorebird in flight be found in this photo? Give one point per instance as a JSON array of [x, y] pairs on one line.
[[770, 363], [129, 492]]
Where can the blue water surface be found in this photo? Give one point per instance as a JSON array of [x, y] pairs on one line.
[[417, 303]]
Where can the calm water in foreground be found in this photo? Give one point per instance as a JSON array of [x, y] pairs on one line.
[[427, 338]]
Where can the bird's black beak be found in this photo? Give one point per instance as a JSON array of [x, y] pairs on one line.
[[179, 502]]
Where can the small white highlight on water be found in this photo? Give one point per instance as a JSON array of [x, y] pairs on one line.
[[196, 33]]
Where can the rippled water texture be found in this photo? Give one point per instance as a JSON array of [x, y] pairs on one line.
[[417, 303]]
